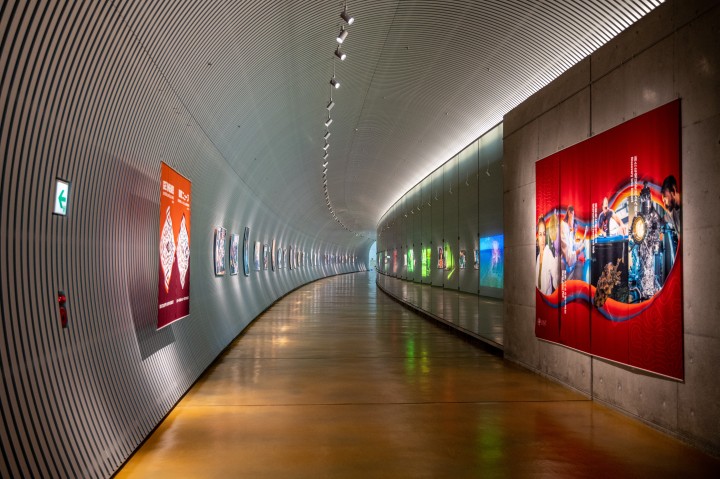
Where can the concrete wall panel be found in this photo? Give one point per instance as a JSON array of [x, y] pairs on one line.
[[672, 53]]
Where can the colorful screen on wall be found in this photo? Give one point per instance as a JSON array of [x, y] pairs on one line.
[[174, 267], [492, 261], [608, 267]]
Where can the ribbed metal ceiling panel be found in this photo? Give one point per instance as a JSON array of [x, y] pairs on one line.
[[422, 80]]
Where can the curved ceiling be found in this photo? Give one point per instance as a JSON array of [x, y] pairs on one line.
[[422, 79]]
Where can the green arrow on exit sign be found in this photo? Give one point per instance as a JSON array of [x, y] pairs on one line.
[[62, 189]]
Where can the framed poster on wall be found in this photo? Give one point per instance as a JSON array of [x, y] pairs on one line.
[[256, 256], [174, 247], [234, 246], [608, 271], [219, 251], [273, 257], [266, 256], [246, 251]]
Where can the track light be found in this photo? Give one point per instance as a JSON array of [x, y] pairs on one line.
[[341, 55], [325, 164], [326, 135], [344, 15], [342, 35], [328, 122], [334, 82], [325, 156], [327, 145], [325, 171], [330, 105]]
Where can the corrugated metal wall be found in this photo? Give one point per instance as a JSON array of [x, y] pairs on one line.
[[82, 100]]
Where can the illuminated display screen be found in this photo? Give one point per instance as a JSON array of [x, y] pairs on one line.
[[492, 261]]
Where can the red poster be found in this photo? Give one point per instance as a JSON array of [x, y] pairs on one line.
[[547, 249], [620, 294], [174, 267], [575, 221]]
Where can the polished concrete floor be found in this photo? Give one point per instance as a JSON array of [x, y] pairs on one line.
[[339, 381], [477, 316]]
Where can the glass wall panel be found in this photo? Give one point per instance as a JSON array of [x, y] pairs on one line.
[[468, 219], [490, 223], [426, 235], [435, 204], [414, 213], [451, 204]]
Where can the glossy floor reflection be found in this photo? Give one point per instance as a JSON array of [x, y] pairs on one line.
[[478, 316], [337, 380]]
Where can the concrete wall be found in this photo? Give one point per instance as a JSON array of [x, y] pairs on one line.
[[672, 53]]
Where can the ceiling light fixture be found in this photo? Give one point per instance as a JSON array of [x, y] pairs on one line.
[[325, 164], [341, 55], [344, 15], [328, 122], [327, 145], [325, 172], [326, 135], [334, 82], [342, 35], [330, 105], [325, 156]]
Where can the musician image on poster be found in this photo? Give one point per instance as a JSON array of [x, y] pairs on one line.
[[572, 250], [617, 200], [546, 265]]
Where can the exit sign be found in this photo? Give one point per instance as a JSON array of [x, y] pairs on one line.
[[62, 191]]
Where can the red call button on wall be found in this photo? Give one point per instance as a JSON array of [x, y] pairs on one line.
[[62, 300]]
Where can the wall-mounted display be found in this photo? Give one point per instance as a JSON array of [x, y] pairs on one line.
[[426, 261], [219, 251], [492, 261], [266, 256], [608, 270], [476, 261], [174, 247], [461, 259], [246, 251], [273, 257], [256, 256], [290, 257], [441, 257], [234, 247], [410, 260]]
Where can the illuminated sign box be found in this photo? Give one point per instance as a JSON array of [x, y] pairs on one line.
[[62, 197]]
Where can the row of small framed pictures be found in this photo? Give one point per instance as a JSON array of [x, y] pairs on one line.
[[265, 257]]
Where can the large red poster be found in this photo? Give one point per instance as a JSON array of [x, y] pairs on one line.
[[619, 244], [174, 247]]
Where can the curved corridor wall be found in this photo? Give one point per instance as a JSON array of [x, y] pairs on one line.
[[82, 101], [447, 231]]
